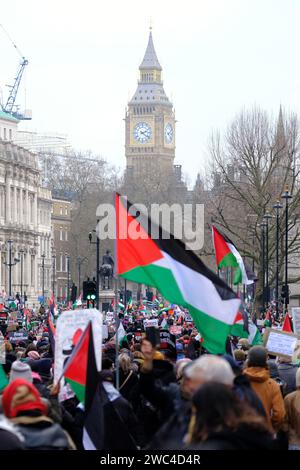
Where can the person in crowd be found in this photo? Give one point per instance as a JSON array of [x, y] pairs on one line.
[[221, 421], [266, 388], [242, 387], [174, 404], [292, 407], [20, 370], [240, 357], [23, 405], [128, 379], [287, 372]]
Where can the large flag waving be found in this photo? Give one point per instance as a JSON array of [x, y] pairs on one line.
[[228, 256], [179, 275]]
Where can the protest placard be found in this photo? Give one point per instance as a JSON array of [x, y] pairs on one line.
[[16, 336], [152, 322], [70, 325], [282, 344]]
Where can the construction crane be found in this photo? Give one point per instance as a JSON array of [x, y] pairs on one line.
[[10, 107]]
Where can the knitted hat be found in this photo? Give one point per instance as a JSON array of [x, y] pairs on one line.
[[34, 355], [257, 357], [20, 395], [20, 370]]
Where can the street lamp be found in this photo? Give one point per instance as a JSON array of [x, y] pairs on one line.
[[262, 226], [286, 195], [10, 264], [79, 263], [68, 269], [277, 208], [21, 281], [43, 276], [97, 243], [266, 218], [53, 273]]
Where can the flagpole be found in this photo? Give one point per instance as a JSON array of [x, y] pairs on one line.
[[116, 307], [117, 320]]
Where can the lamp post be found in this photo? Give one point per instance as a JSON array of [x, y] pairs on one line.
[[286, 195], [266, 218], [262, 226], [79, 263], [53, 273], [10, 264], [277, 208], [21, 280], [43, 276], [68, 270], [97, 243]]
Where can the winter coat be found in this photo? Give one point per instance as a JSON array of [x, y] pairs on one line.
[[128, 385], [292, 406], [172, 433], [242, 389], [269, 393], [10, 439], [41, 433], [287, 372]]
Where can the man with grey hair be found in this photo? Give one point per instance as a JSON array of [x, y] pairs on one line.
[[207, 369]]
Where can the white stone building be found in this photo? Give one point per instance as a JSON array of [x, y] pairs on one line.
[[25, 219]]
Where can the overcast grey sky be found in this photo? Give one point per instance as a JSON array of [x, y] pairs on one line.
[[217, 56]]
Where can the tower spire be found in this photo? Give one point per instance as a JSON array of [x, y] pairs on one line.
[[150, 60]]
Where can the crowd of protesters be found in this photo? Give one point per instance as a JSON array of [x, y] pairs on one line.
[[156, 399]]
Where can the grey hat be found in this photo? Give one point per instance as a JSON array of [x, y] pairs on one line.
[[257, 357], [20, 370]]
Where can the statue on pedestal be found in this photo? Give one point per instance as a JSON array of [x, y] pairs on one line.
[[107, 270]]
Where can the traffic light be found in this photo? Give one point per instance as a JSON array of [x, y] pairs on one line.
[[89, 291], [285, 294]]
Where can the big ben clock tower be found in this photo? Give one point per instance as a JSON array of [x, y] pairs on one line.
[[150, 122]]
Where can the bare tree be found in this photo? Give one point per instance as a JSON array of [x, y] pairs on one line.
[[251, 165]]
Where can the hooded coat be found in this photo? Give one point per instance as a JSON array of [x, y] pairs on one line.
[[269, 393]]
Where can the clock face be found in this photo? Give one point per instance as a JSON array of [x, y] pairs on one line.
[[142, 132], [169, 133]]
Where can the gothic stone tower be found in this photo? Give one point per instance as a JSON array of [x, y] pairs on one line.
[[150, 122]]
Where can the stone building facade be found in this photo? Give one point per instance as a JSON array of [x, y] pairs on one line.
[[61, 225], [25, 223]]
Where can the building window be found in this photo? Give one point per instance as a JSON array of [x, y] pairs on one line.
[[61, 211], [66, 235], [66, 211], [10, 134], [61, 263], [4, 136]]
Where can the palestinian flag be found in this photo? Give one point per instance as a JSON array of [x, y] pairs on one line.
[[121, 334], [228, 256], [51, 331], [179, 275], [238, 329], [3, 378], [287, 324], [82, 375]]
